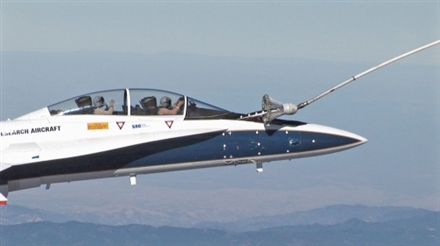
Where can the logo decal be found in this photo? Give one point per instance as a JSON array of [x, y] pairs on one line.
[[97, 126], [169, 123], [120, 124], [138, 126]]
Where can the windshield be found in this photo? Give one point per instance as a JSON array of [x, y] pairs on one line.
[[200, 110]]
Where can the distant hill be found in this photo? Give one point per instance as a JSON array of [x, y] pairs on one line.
[[419, 230], [329, 215], [14, 214]]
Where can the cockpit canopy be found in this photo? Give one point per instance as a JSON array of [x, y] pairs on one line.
[[139, 102]]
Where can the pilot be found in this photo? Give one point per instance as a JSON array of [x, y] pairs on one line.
[[101, 106], [165, 107]]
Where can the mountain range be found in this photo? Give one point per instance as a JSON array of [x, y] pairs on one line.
[[418, 230], [329, 215]]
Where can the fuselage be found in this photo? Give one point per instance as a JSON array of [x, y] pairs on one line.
[[46, 147]]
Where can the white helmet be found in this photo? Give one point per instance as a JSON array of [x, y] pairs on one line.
[[98, 101], [165, 102]]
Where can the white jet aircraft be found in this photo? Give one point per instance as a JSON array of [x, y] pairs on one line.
[[127, 132]]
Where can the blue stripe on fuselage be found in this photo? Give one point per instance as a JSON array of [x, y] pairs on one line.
[[242, 144]]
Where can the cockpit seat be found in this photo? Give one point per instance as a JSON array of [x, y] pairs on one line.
[[149, 104], [83, 101], [84, 104]]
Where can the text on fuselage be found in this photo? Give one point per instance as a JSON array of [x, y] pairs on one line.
[[32, 130]]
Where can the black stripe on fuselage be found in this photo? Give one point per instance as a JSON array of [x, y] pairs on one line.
[[102, 161]]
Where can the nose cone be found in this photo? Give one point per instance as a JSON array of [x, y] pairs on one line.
[[325, 139]]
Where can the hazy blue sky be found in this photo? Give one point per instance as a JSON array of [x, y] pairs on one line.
[[246, 49], [332, 30]]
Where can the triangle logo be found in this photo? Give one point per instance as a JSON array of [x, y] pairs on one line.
[[120, 124], [169, 123]]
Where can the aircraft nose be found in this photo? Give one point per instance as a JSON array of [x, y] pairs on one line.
[[360, 139], [329, 139]]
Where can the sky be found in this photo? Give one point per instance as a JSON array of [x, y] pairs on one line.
[[214, 50], [332, 30]]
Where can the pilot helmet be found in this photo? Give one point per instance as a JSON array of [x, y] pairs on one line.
[[165, 102], [98, 101]]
